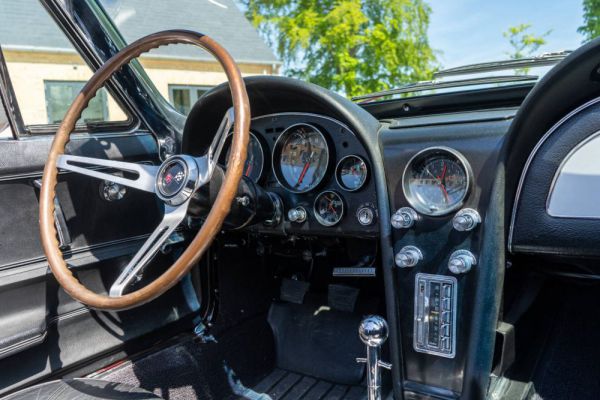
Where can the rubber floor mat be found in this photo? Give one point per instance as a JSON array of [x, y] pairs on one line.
[[285, 385]]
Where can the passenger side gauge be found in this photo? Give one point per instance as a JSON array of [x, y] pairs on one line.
[[351, 173], [300, 158], [329, 208], [255, 158], [436, 181]]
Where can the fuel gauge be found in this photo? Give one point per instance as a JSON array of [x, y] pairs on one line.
[[329, 208]]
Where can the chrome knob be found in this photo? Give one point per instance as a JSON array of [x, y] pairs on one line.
[[466, 220], [408, 256], [461, 261], [404, 218], [297, 215], [365, 216], [373, 331], [111, 191]]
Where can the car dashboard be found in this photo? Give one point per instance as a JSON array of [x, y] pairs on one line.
[[318, 168]]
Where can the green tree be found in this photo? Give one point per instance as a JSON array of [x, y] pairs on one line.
[[591, 20], [523, 43], [351, 46]]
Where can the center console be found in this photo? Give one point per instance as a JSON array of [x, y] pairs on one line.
[[440, 171]]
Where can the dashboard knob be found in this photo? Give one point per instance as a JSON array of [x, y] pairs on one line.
[[466, 220], [408, 256], [297, 215], [111, 191], [461, 261], [365, 215], [404, 218]]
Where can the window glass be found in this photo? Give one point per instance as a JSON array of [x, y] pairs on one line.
[[183, 97], [45, 70], [60, 95]]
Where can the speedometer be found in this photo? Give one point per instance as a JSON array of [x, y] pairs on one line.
[[437, 181], [300, 158]]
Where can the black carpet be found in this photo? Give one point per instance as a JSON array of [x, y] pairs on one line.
[[318, 341], [557, 344], [193, 370]]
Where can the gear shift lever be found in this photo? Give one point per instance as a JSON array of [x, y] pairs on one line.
[[373, 331]]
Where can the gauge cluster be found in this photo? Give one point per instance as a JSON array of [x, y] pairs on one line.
[[319, 169]]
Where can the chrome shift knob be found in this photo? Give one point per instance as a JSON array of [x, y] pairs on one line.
[[373, 331]]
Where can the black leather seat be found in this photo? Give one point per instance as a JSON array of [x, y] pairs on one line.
[[82, 389]]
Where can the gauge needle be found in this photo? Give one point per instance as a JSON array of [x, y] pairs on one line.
[[304, 170], [331, 208], [442, 185]]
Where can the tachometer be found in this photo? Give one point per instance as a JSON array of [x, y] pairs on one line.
[[255, 158], [300, 158], [436, 181], [329, 208], [351, 173]]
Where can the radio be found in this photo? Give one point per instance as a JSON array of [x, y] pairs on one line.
[[434, 329]]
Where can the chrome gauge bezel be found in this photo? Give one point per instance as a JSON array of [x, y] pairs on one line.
[[319, 219], [420, 157], [337, 178], [260, 146], [276, 154]]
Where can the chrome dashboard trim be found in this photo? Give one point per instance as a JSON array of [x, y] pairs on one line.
[[582, 198], [530, 160]]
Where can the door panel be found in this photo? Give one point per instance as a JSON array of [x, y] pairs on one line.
[[43, 331]]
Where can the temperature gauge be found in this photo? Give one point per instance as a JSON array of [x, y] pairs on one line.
[[329, 208]]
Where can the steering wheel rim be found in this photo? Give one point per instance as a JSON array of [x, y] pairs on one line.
[[240, 113]]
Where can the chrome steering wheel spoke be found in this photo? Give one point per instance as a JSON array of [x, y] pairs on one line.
[[145, 174], [171, 220], [208, 162]]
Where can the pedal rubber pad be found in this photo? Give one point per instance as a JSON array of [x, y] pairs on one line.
[[293, 291], [342, 297]]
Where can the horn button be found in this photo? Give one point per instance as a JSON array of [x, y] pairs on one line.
[[176, 180]]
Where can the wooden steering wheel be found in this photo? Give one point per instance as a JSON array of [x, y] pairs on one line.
[[173, 182]]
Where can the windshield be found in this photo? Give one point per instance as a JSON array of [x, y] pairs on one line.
[[352, 47]]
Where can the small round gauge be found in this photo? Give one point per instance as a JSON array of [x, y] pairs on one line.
[[300, 158], [329, 208], [436, 181], [351, 173], [255, 159]]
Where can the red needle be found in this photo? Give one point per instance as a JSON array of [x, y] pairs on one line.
[[443, 173], [442, 185], [248, 170], [304, 170]]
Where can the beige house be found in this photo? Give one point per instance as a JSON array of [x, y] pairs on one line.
[[47, 73]]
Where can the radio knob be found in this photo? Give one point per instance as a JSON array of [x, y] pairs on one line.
[[461, 262], [466, 220], [404, 218], [297, 215], [408, 256]]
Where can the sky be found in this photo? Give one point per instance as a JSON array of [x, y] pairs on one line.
[[470, 31]]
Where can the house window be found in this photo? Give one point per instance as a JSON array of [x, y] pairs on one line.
[[183, 97], [60, 96]]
